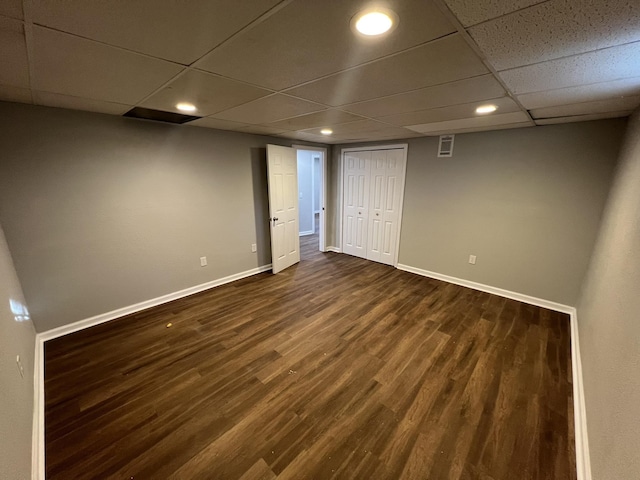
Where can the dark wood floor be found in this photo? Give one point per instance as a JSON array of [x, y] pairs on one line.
[[336, 368]]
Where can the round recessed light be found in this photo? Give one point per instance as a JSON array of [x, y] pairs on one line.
[[326, 131], [374, 22], [484, 109], [186, 107]]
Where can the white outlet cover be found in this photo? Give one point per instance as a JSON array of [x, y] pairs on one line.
[[203, 261], [472, 259]]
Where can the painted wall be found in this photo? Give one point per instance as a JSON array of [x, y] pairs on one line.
[[609, 325], [102, 212], [527, 202], [17, 337], [305, 190]]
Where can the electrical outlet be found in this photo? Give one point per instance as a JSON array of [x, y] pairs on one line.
[[472, 259], [20, 367], [254, 248], [203, 261]]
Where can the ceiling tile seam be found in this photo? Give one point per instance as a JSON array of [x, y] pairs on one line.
[[474, 46], [581, 85], [368, 62], [449, 106], [587, 101], [507, 14], [570, 56], [21, 20], [28, 39], [311, 113], [255, 22], [37, 91], [626, 111], [225, 77]]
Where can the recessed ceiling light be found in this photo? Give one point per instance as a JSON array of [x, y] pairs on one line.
[[186, 107], [483, 109], [326, 131], [374, 22]]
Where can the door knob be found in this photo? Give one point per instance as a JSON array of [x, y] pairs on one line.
[[275, 219], [377, 214]]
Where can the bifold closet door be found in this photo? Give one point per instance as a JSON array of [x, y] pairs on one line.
[[356, 203]]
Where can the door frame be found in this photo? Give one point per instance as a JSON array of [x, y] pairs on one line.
[[322, 234], [366, 148]]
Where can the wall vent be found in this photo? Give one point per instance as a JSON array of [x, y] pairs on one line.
[[445, 147], [159, 115]]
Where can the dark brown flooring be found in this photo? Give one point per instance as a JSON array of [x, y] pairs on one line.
[[336, 368]]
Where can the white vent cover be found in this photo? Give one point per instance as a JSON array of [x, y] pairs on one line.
[[445, 147]]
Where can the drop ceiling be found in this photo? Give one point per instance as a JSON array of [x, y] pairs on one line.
[[291, 68]]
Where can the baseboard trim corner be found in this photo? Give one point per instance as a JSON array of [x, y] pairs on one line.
[[304, 234], [583, 459], [520, 297]]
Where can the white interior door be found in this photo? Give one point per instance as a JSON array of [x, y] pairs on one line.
[[282, 169], [356, 203], [393, 191], [377, 204]]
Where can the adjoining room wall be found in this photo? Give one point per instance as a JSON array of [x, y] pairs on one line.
[[527, 202], [17, 337], [317, 180], [102, 212], [305, 192], [609, 325]]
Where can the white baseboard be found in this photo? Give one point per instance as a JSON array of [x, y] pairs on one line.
[[121, 312], [334, 249], [520, 297], [308, 232], [583, 460]]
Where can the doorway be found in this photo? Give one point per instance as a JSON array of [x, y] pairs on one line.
[[311, 198]]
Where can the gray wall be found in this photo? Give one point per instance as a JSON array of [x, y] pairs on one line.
[[609, 325], [305, 192], [102, 212], [527, 202], [17, 337]]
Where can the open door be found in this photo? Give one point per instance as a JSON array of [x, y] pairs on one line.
[[282, 170]]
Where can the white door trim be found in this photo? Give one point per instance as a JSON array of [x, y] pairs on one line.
[[405, 149], [322, 235]]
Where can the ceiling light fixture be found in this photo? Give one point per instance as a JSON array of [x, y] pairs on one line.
[[326, 131], [374, 22], [186, 107], [484, 109]]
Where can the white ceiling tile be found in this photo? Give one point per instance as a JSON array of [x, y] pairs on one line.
[[269, 109], [599, 106], [74, 66], [180, 31], [480, 129], [555, 29], [326, 118], [310, 38], [476, 122], [77, 103], [262, 130], [610, 64], [470, 13], [467, 110], [362, 128], [15, 94], [13, 54], [441, 61], [11, 8], [209, 122], [454, 93], [582, 118], [582, 93], [209, 93], [308, 137]]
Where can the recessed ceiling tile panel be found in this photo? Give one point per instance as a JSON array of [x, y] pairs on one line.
[[325, 118], [180, 31], [76, 103], [74, 66], [11, 8], [209, 122], [269, 109], [359, 128], [485, 121], [309, 137], [610, 64], [13, 54], [461, 91], [262, 130], [584, 93], [310, 38], [582, 118], [557, 28], [467, 110], [599, 106], [441, 61], [15, 94], [209, 93], [470, 13], [480, 129]]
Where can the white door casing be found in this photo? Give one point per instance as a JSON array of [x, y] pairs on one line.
[[282, 170], [356, 203]]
